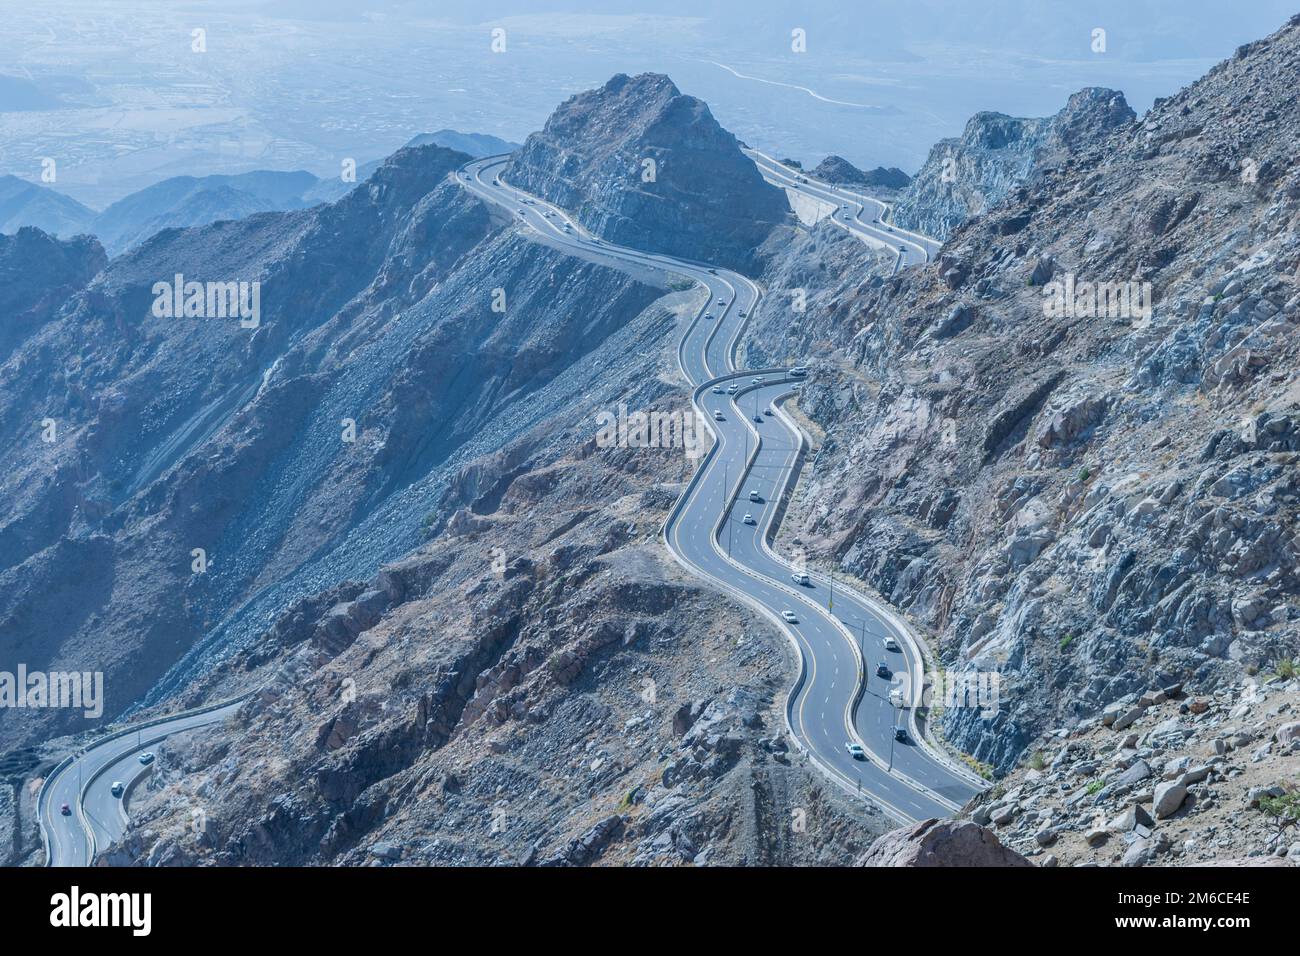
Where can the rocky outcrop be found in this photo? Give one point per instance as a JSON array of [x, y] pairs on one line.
[[643, 165], [967, 175], [838, 170], [941, 843]]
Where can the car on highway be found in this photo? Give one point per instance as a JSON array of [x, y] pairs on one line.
[[722, 302], [758, 418], [768, 410], [118, 788], [755, 381], [798, 371], [717, 415], [789, 616], [743, 314], [749, 518], [733, 388], [892, 645], [717, 389], [567, 228], [800, 577], [855, 750], [65, 810], [902, 248], [882, 669], [146, 758], [754, 496], [900, 733]]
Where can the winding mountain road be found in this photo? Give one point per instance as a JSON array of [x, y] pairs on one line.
[[749, 472], [860, 215]]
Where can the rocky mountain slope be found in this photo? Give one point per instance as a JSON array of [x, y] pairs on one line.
[[966, 175], [645, 166], [1161, 777], [372, 367], [1087, 499]]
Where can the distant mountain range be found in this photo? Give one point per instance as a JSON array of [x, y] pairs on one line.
[[185, 201]]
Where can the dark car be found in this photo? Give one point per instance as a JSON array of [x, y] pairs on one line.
[[900, 733], [66, 810], [882, 669]]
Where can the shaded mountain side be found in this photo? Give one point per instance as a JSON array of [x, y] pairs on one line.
[[645, 166], [966, 175], [1083, 496], [38, 273], [185, 201], [41, 207], [375, 309]]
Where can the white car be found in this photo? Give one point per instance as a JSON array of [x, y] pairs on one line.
[[800, 577], [789, 616], [717, 415], [749, 519], [855, 751], [891, 645], [717, 389], [146, 758], [753, 496]]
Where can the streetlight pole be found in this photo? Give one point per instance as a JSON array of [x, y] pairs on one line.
[[892, 737]]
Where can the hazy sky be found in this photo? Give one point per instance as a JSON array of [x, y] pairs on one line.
[[118, 94]]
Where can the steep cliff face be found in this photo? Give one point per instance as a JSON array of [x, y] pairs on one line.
[[966, 175], [1081, 494], [645, 166], [295, 453]]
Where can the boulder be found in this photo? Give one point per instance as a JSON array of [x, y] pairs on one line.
[[1168, 798], [941, 843]]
